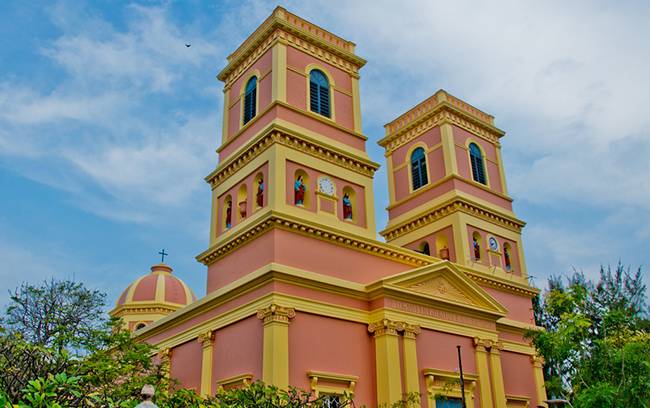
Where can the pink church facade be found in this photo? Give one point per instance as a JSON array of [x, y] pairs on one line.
[[300, 291]]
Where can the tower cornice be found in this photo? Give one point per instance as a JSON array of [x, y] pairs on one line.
[[276, 133], [438, 109], [285, 26]]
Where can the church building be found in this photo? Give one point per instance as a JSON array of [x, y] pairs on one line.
[[300, 291]]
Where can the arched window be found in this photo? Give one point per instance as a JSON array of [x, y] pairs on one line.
[[319, 93], [418, 168], [249, 99], [424, 248], [476, 159], [140, 326]]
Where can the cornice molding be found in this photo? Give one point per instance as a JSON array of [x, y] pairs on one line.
[[277, 134], [453, 205], [290, 223], [438, 114], [123, 310], [296, 32]]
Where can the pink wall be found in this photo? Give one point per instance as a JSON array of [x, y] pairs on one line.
[[435, 171], [186, 364], [251, 189], [420, 199], [238, 349], [248, 133], [490, 159], [437, 350], [331, 259], [519, 307], [431, 240], [343, 348], [518, 375], [358, 207], [431, 138], [263, 64]]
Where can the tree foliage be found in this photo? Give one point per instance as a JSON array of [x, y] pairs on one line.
[[595, 341]]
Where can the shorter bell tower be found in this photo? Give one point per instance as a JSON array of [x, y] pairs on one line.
[[447, 188]]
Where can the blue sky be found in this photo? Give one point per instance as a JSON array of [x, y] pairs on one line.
[[108, 123]]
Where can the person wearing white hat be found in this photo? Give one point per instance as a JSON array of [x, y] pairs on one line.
[[147, 394]]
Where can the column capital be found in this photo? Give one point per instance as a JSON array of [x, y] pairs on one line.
[[408, 330], [165, 354], [275, 313], [486, 344], [206, 338], [383, 327], [537, 360]]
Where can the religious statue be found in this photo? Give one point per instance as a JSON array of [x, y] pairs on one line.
[[260, 192], [477, 249], [229, 215], [506, 255], [347, 207], [299, 191]]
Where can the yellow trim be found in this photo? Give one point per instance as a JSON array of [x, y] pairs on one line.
[[391, 179], [207, 342], [448, 149], [502, 172], [539, 380], [468, 142], [332, 86], [517, 401], [236, 380], [348, 383], [447, 383], [356, 103], [387, 362], [159, 295], [275, 360], [496, 372], [481, 356], [279, 85], [254, 73], [225, 127], [411, 372]]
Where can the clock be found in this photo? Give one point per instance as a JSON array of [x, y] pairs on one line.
[[326, 186], [494, 244]]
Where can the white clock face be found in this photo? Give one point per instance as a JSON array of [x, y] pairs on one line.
[[326, 186], [494, 245]]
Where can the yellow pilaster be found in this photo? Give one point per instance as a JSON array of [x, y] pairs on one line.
[[498, 388], [226, 111], [391, 180], [165, 356], [275, 362], [461, 240], [502, 174], [448, 149], [538, 362], [356, 102], [389, 378], [276, 192], [483, 372], [411, 373], [279, 70], [207, 341]]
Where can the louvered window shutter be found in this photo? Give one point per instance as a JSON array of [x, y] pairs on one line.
[[249, 100]]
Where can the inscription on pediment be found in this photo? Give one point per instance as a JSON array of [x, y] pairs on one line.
[[440, 287]]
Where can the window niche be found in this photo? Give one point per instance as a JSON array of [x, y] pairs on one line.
[[442, 247], [349, 204], [423, 248], [227, 213], [507, 257], [260, 188], [300, 188], [242, 202], [476, 246]]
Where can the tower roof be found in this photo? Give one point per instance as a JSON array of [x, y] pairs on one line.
[[158, 287]]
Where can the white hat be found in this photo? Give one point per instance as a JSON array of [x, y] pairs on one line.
[[148, 389]]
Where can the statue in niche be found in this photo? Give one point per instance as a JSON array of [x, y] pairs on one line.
[[477, 249], [299, 191], [260, 192], [228, 214], [347, 207], [242, 209], [444, 253], [506, 255]]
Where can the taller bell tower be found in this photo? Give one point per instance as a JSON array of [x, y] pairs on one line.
[[448, 195], [291, 143]]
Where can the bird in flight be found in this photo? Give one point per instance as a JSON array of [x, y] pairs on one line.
[[188, 45]]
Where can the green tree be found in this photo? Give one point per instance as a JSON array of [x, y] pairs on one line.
[[595, 338]]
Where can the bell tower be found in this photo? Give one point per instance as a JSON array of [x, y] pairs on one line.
[[447, 187], [291, 144]]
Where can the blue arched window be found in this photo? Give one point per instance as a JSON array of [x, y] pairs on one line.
[[249, 99], [476, 159], [319, 93], [418, 168]]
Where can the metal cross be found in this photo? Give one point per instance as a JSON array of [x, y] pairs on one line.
[[163, 254]]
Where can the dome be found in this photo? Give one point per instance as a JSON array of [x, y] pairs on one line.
[[160, 286], [152, 297]]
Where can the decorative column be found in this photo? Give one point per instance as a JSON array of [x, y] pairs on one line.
[[538, 363], [165, 356], [207, 341], [275, 362], [411, 373], [498, 387], [389, 379], [481, 353]]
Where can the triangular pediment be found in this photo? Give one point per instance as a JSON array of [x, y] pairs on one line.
[[443, 282]]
